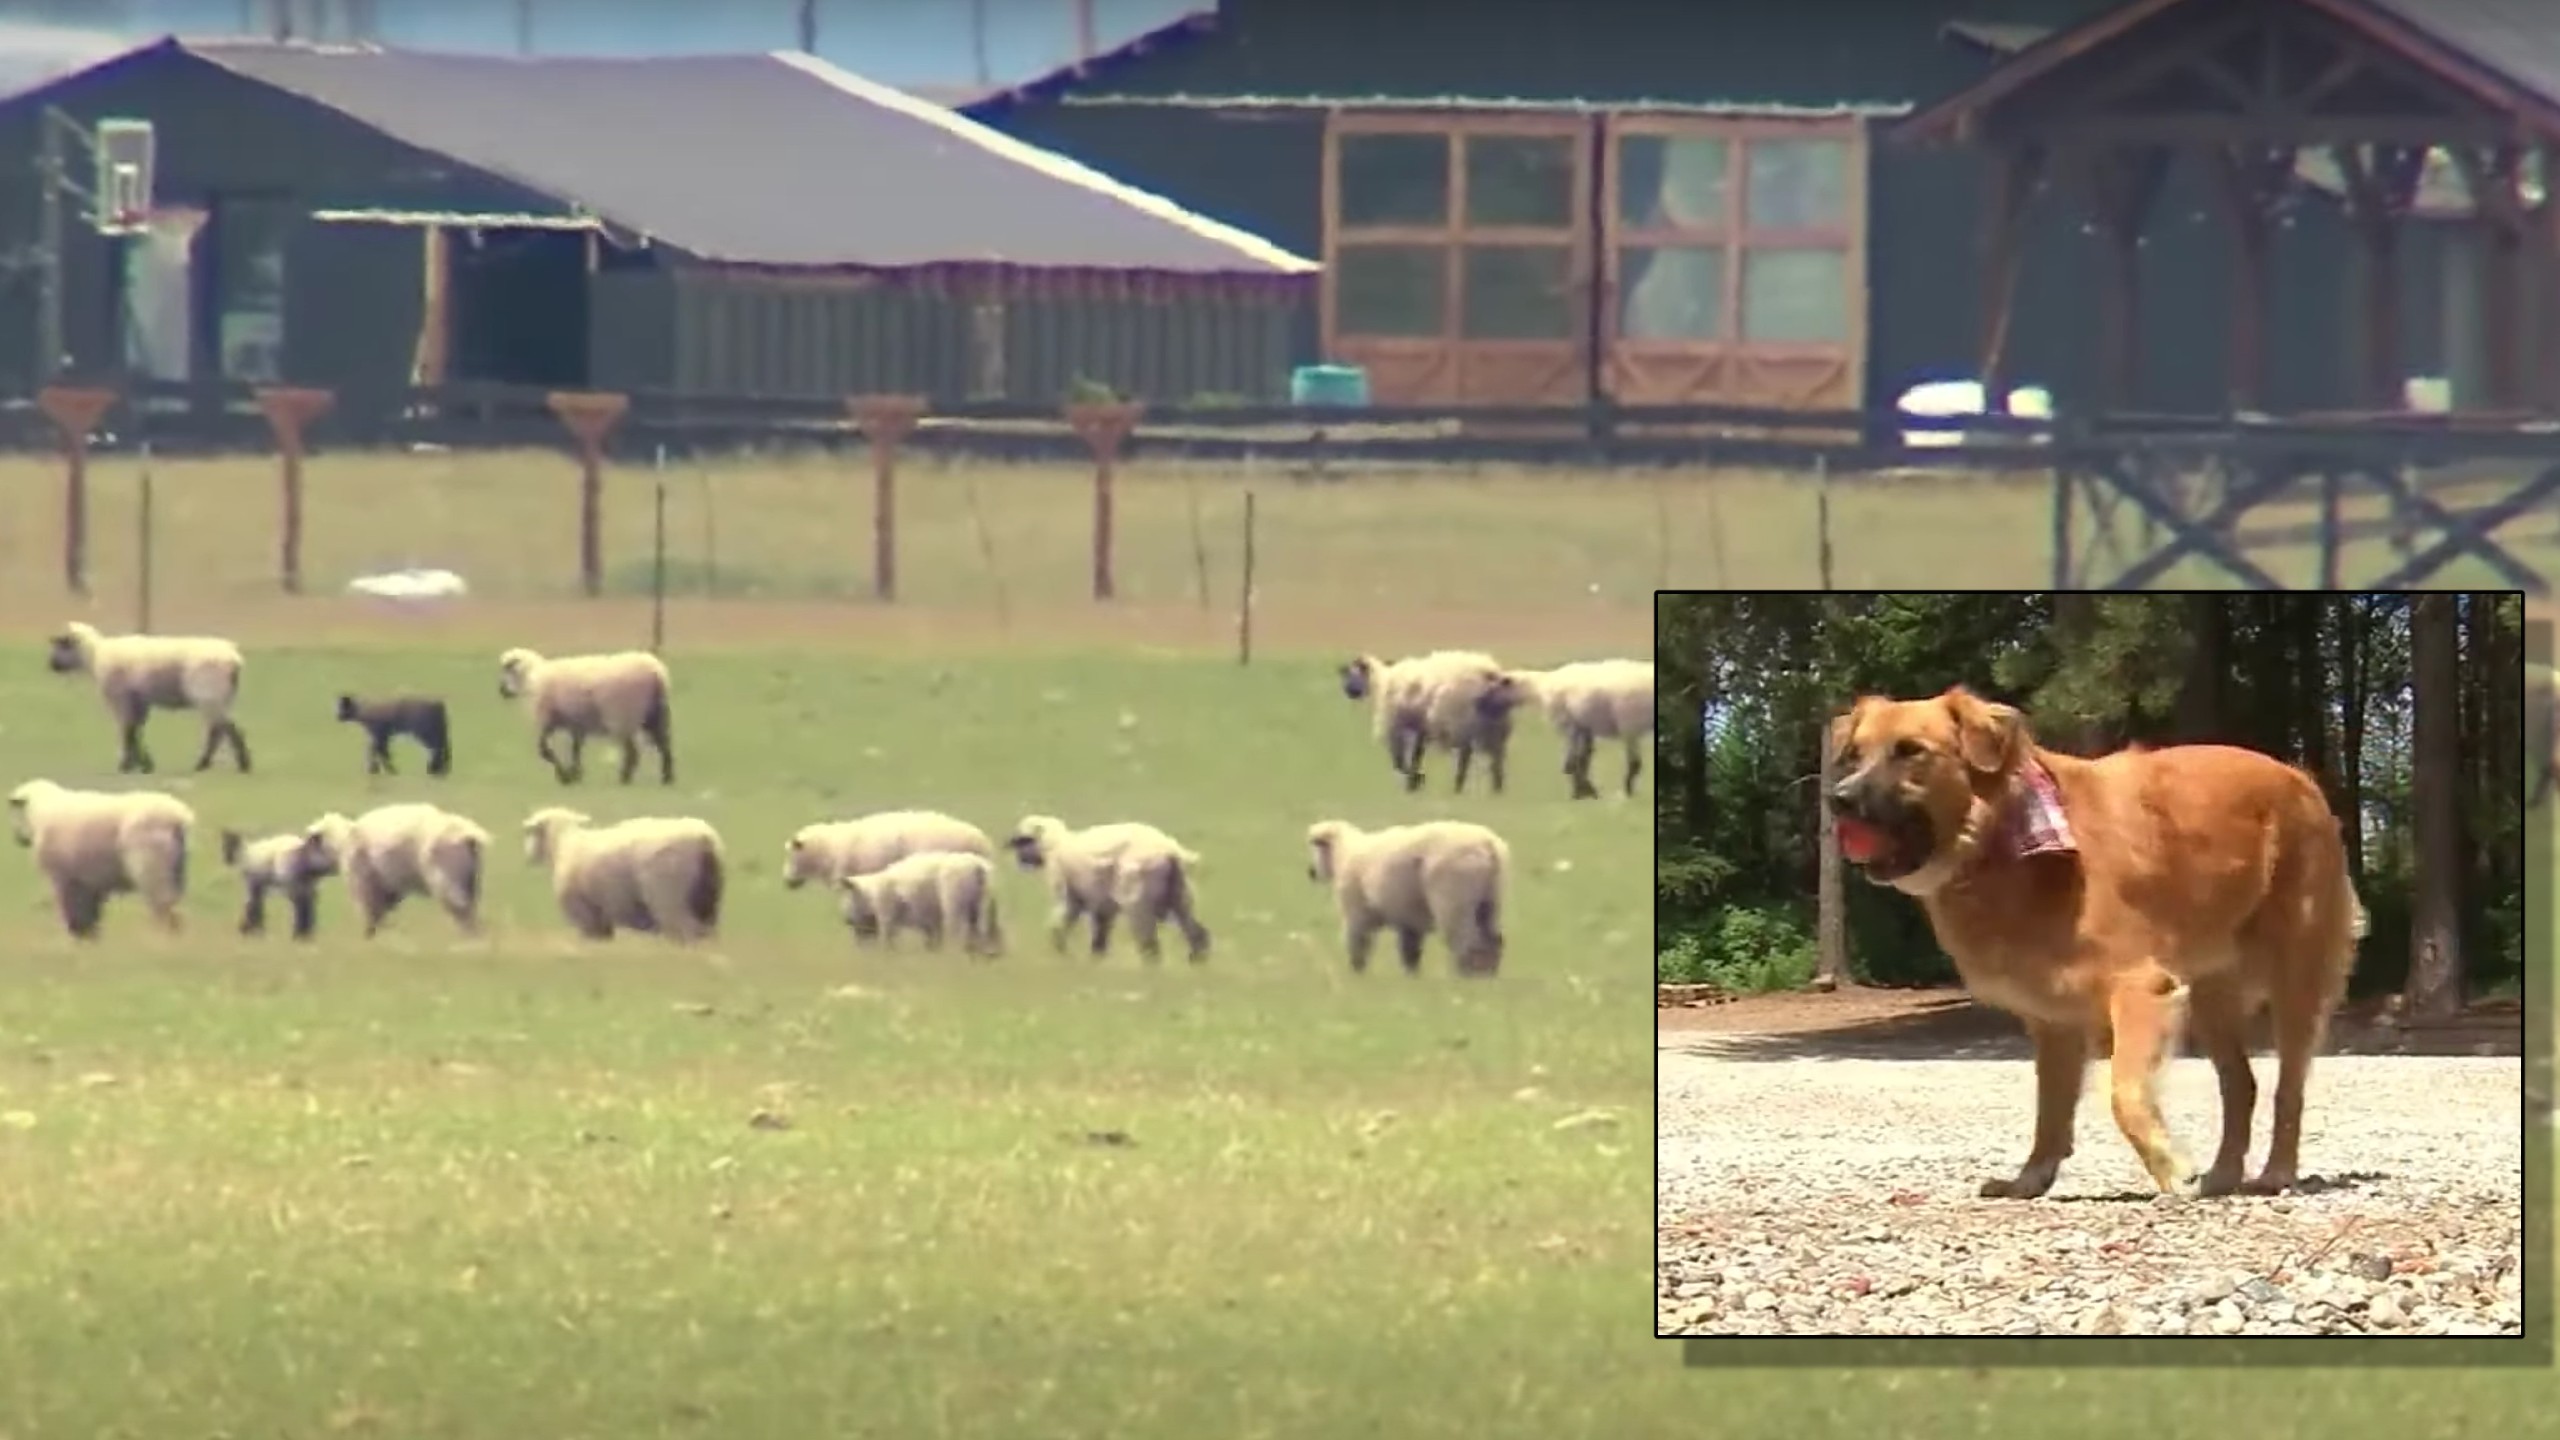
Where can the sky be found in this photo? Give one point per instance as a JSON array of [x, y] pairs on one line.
[[900, 42]]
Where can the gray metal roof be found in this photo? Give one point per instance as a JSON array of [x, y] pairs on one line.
[[780, 159], [2517, 40]]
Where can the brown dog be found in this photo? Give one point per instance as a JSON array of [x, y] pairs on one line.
[[2124, 895]]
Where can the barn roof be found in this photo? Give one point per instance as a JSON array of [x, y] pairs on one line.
[[774, 159]]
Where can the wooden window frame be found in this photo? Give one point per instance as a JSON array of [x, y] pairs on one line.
[[1734, 233]]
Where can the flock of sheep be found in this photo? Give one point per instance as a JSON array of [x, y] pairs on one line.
[[891, 873]]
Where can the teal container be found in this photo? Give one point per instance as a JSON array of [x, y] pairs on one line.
[[1329, 385]]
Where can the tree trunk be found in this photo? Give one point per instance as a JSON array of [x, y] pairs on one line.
[[2435, 940], [1831, 901], [2351, 718], [2200, 697]]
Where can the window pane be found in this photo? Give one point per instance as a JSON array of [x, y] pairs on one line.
[[1800, 184], [1671, 292], [1518, 292], [1520, 180], [1394, 180], [1798, 296], [1389, 290], [1674, 181]]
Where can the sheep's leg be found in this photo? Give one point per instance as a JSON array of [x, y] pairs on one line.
[[1577, 764], [1409, 948], [253, 910], [81, 908], [542, 747], [136, 758], [1357, 938], [1413, 776], [1496, 760], [1142, 930], [660, 729], [1194, 934], [630, 757], [1635, 765], [1466, 756], [577, 755], [1103, 915], [306, 909], [440, 755], [239, 744], [1070, 909], [378, 909], [377, 753]]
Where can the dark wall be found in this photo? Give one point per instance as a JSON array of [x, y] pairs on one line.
[[220, 136], [1266, 174]]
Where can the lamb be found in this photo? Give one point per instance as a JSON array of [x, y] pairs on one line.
[[626, 696], [1431, 699], [1587, 702], [137, 674], [291, 864], [392, 852], [654, 876], [420, 717], [1105, 871], [94, 845], [830, 850], [1444, 875], [936, 892]]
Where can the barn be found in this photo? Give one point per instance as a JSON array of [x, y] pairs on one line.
[[369, 220], [1664, 203]]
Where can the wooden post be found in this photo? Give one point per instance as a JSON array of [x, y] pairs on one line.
[[289, 413], [1244, 592], [886, 422], [2122, 183], [75, 411], [2250, 179], [2379, 190], [1105, 427], [590, 416], [2502, 222], [2004, 225]]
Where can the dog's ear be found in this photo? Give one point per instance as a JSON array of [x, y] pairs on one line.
[[1843, 725], [1991, 737]]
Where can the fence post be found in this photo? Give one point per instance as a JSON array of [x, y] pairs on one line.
[[75, 411], [1105, 427], [1244, 593], [886, 421], [590, 416], [289, 412]]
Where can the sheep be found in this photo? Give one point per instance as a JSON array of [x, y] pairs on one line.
[[137, 674], [830, 850], [1105, 871], [1431, 699], [654, 876], [1587, 702], [93, 845], [292, 864], [1444, 875], [420, 717], [626, 696], [936, 892], [392, 852]]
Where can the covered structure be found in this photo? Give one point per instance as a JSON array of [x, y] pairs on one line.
[[2250, 90], [763, 225]]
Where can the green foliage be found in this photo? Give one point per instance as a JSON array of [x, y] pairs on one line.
[[1745, 949]]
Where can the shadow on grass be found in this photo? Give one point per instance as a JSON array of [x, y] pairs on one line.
[[1954, 1027]]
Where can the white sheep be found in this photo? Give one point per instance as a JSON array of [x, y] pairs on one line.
[[1427, 700], [93, 845], [1443, 875], [938, 893], [392, 852], [1588, 701], [1106, 871], [655, 876], [830, 850], [625, 697], [137, 674], [290, 864]]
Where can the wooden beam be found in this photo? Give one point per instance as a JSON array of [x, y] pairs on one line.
[[2379, 190], [2547, 308], [2189, 54], [2500, 222], [2250, 180], [2004, 214], [2122, 184], [2302, 131]]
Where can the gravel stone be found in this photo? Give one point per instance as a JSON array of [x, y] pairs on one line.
[[1836, 1196]]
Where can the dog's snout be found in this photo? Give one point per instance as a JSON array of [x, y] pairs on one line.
[[1844, 796]]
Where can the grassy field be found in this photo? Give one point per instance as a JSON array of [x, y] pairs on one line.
[[426, 1187]]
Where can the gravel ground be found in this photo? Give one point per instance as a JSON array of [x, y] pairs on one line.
[[1805, 1192]]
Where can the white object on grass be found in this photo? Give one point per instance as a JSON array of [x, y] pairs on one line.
[[410, 585]]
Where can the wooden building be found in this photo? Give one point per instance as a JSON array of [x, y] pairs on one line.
[[1659, 203], [768, 226]]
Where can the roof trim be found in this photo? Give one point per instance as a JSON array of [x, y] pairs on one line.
[[1176, 33], [1942, 119], [962, 128], [421, 219], [1736, 109]]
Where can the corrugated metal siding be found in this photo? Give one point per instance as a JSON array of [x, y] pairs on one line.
[[750, 334], [631, 329]]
